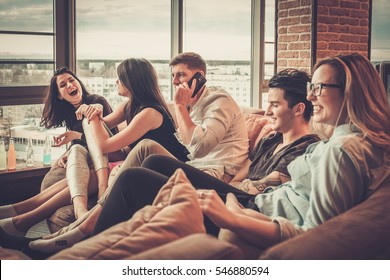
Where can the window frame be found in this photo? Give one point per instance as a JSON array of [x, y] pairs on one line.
[[63, 41], [64, 46]]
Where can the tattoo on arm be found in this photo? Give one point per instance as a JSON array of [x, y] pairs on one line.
[[255, 187], [262, 185]]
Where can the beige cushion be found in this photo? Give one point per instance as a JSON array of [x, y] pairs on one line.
[[9, 254], [193, 247], [258, 126], [251, 110], [62, 217], [55, 174], [175, 213], [362, 232]]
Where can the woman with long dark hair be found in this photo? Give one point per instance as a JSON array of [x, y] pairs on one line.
[[147, 117], [65, 96]]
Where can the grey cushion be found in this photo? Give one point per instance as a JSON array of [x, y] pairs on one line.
[[9, 254]]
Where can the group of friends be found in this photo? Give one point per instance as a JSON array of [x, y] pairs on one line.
[[289, 182]]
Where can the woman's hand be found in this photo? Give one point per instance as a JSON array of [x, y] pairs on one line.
[[65, 138], [89, 111], [214, 208], [63, 160]]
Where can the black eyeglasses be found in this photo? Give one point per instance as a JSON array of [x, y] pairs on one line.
[[316, 88]]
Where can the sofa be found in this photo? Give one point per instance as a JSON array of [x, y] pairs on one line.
[[257, 125], [359, 233], [170, 233]]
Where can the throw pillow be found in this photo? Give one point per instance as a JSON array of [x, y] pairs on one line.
[[175, 213]]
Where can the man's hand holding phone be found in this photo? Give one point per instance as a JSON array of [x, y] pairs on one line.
[[196, 83], [186, 91]]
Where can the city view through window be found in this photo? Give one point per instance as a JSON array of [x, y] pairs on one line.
[[233, 76], [108, 32], [99, 76]]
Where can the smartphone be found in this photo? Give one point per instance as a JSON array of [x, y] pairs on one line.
[[200, 81]]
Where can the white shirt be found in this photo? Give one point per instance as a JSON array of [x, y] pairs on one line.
[[219, 143]]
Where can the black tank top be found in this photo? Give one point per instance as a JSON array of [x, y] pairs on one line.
[[164, 134]]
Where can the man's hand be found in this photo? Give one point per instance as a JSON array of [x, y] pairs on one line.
[[65, 138], [183, 94], [213, 207]]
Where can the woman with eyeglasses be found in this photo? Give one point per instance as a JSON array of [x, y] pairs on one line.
[[333, 175]]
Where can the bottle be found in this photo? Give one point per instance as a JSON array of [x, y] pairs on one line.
[[11, 155], [3, 155], [29, 154], [47, 151]]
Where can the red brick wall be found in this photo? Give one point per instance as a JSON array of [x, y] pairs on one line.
[[342, 27], [294, 34]]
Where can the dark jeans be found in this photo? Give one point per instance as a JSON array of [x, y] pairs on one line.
[[137, 187]]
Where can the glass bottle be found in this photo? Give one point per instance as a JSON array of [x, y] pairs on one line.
[[29, 154], [3, 155], [47, 151], [11, 155]]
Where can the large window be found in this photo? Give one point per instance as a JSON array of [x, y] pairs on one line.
[[269, 49], [380, 39], [108, 32], [26, 66], [220, 31], [236, 38], [26, 49]]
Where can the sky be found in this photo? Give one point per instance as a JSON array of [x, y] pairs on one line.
[[117, 29], [121, 28], [145, 28]]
